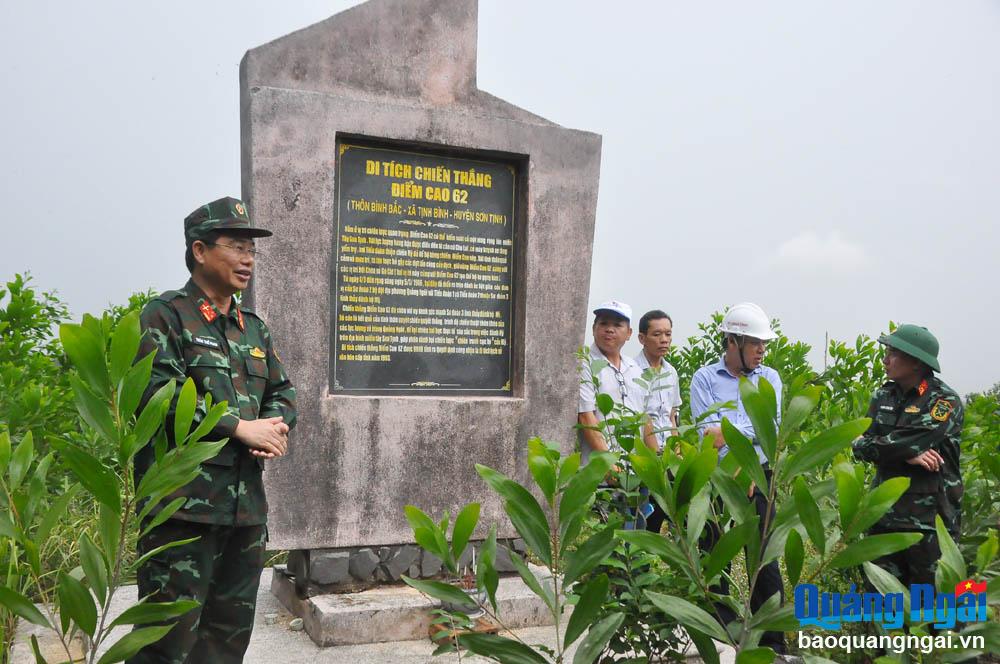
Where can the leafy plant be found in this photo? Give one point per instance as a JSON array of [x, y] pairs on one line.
[[107, 386]]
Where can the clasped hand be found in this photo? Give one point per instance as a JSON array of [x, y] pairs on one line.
[[266, 438], [929, 459]]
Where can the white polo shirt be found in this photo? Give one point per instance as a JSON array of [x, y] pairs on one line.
[[618, 383], [663, 396]]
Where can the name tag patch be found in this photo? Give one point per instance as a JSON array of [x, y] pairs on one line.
[[207, 341]]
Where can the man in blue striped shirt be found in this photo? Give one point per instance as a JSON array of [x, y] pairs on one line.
[[747, 330]]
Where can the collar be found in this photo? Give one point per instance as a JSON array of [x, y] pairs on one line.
[[596, 353], [209, 312], [643, 362], [720, 368], [920, 388]]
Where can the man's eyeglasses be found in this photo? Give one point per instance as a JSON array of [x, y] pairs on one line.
[[621, 382], [242, 251]]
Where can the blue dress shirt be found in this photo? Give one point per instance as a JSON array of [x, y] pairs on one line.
[[713, 384]]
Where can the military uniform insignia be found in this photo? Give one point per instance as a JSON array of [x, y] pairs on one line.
[[240, 210], [258, 353], [275, 353], [942, 410], [922, 387], [239, 320], [912, 409], [207, 341], [207, 312]]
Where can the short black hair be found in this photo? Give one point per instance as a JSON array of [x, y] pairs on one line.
[[655, 314], [210, 238]]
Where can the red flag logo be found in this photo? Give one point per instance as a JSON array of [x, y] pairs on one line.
[[970, 586]]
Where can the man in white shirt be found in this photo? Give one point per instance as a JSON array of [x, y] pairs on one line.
[[612, 328], [663, 396]]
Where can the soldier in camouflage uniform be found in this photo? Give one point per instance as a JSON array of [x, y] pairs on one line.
[[915, 432], [201, 332]]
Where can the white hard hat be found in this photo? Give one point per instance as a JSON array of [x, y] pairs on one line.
[[748, 319]]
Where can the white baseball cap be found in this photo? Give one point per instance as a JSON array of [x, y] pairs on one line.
[[617, 307]]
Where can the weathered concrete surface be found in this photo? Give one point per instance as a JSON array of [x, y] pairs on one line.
[[404, 70], [395, 613]]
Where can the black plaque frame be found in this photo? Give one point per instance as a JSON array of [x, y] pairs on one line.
[[431, 373]]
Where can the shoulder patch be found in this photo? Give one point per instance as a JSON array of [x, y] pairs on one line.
[[941, 410]]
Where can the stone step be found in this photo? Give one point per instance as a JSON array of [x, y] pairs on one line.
[[396, 613]]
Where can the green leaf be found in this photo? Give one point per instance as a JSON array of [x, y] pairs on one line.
[[592, 597], [581, 488], [987, 551], [542, 469], [486, 571], [37, 651], [848, 495], [149, 612], [4, 451], [86, 352], [95, 476], [209, 421], [759, 402], [950, 555], [588, 555], [124, 346], [872, 547], [877, 503], [597, 638], [693, 473], [76, 603], [7, 528], [109, 528], [733, 495], [533, 583], [794, 556], [21, 606], [732, 542], [187, 401], [133, 642], [568, 467], [465, 523], [501, 649], [823, 447], [742, 450], [809, 513], [706, 646], [755, 656], [689, 615], [605, 403], [94, 411], [152, 415], [20, 461], [163, 514], [160, 549], [94, 567], [887, 584], [799, 408], [657, 545], [133, 386], [444, 592], [524, 512]]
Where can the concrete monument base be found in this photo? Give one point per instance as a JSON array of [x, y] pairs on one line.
[[396, 613]]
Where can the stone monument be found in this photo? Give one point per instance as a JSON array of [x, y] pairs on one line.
[[427, 282]]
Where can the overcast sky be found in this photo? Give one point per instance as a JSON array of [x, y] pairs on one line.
[[836, 162]]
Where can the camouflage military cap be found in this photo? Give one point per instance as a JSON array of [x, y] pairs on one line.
[[225, 214], [916, 342]]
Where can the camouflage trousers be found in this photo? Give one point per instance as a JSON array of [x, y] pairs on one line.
[[916, 564], [221, 570]]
